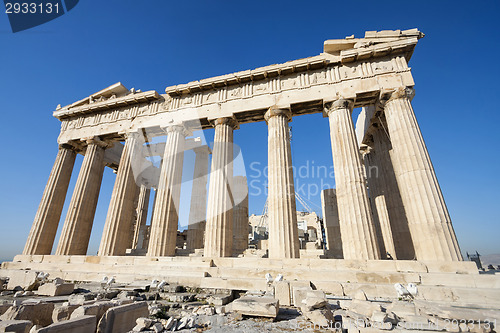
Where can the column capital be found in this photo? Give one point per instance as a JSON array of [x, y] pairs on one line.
[[178, 128], [202, 150], [68, 146], [388, 95], [229, 121], [339, 103], [274, 111], [95, 140]]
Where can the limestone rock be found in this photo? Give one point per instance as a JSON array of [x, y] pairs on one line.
[[365, 308], [321, 317], [16, 326], [122, 318], [300, 294], [79, 299], [157, 327], [98, 309], [171, 322], [27, 280], [38, 313], [63, 312], [256, 306], [142, 324], [282, 292], [53, 289], [219, 299], [311, 303], [83, 324]]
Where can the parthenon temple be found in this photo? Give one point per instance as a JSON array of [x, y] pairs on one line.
[[399, 211]]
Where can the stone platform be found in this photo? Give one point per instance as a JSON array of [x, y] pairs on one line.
[[450, 282]]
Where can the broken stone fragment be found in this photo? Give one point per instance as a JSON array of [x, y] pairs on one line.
[[82, 324], [26, 280], [122, 318], [256, 306], [321, 317], [39, 313], [16, 326], [63, 312], [56, 289], [79, 299]]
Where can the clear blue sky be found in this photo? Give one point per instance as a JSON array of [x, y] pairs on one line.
[[154, 44]]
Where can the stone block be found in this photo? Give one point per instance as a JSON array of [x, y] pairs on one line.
[[38, 313], [256, 306], [122, 318], [220, 300], [63, 312], [52, 289], [3, 308], [84, 324], [98, 309], [282, 292], [320, 317], [142, 324], [24, 279], [301, 294], [365, 308], [311, 303], [402, 309], [79, 299], [16, 326]]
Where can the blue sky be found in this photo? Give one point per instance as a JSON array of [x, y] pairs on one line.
[[154, 44]]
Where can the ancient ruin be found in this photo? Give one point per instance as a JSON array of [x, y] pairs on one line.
[[380, 228]]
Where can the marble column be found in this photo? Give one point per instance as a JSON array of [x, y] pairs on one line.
[[219, 226], [198, 206], [44, 228], [240, 214], [117, 228], [141, 213], [382, 182], [165, 219], [428, 218], [356, 222], [75, 234], [331, 223], [282, 213]]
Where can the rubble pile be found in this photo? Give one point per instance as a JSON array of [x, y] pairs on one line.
[[31, 303]]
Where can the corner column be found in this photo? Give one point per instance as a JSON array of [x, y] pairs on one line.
[[219, 227], [428, 218], [198, 206], [283, 234], [75, 234], [116, 235], [44, 228], [165, 219], [356, 222]]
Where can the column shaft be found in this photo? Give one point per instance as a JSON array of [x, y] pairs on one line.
[[382, 181], [198, 206], [117, 229], [428, 218], [356, 223], [283, 234], [219, 226], [75, 234], [44, 228], [141, 213], [165, 220], [331, 223], [240, 214], [385, 226]]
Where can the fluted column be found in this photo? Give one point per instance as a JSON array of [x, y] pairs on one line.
[[331, 223], [282, 215], [385, 226], [198, 206], [116, 235], [141, 213], [44, 228], [356, 223], [240, 214], [165, 219], [219, 226], [75, 234], [382, 182], [428, 218]]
